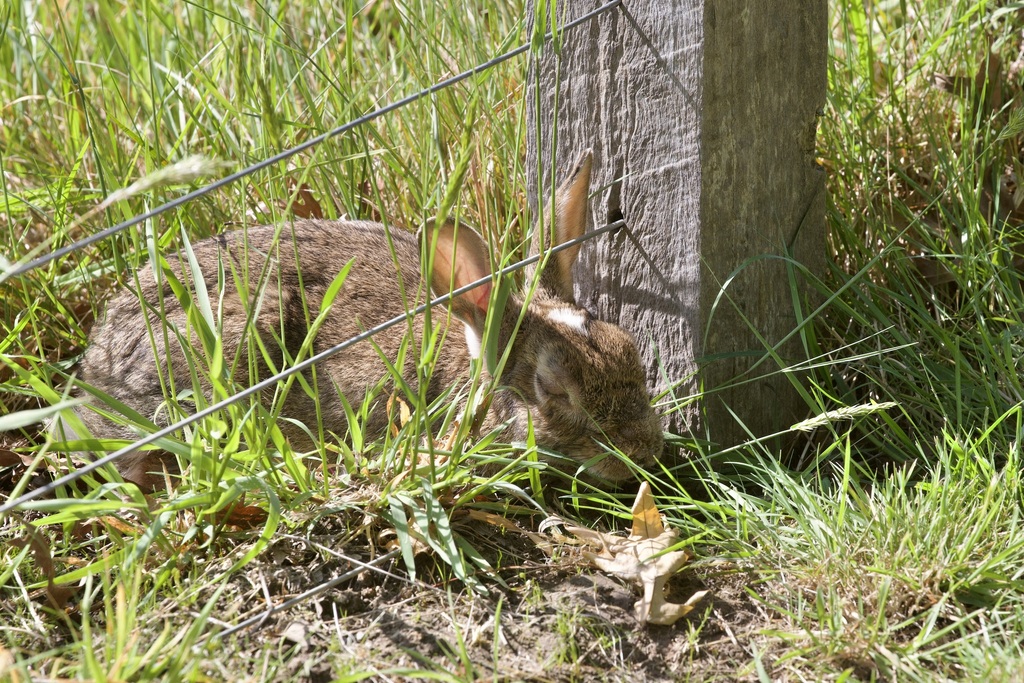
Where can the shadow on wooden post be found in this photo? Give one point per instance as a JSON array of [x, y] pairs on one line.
[[702, 118]]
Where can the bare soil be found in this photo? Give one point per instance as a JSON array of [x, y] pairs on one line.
[[554, 620], [542, 619]]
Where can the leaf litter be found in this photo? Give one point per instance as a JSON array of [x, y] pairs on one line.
[[645, 557]]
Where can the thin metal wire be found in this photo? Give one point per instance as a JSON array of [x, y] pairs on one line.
[[299, 367], [27, 266], [312, 592], [30, 265]]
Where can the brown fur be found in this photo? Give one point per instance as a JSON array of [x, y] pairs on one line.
[[581, 387]]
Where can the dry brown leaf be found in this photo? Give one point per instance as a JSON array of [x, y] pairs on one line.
[[643, 558], [56, 595], [493, 519], [646, 518], [242, 517], [305, 204], [448, 442], [40, 550], [404, 414], [389, 539], [9, 458], [86, 527]]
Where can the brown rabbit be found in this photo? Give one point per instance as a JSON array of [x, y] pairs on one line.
[[579, 379]]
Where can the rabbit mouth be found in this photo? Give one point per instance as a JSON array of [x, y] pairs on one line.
[[604, 466], [597, 456]]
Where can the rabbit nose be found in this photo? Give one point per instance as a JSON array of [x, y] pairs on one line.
[[637, 437]]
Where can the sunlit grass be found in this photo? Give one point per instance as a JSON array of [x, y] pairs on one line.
[[886, 545]]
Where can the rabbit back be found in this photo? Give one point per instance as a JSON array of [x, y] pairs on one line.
[[573, 384], [283, 274]]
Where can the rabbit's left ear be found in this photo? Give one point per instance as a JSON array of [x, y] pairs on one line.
[[570, 209], [460, 256]]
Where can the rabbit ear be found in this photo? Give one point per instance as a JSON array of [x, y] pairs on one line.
[[460, 257], [570, 202]]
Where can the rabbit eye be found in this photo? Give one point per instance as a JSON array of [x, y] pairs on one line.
[[550, 377], [548, 388]]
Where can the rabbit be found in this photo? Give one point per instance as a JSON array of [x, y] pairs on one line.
[[577, 380]]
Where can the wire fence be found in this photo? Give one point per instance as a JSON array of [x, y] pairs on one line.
[[94, 465], [26, 266], [319, 589]]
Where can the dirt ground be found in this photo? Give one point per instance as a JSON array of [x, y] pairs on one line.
[[542, 619], [553, 621]]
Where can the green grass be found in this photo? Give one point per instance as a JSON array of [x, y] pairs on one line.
[[886, 546], [99, 96]]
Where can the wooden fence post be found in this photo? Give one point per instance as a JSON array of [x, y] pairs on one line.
[[702, 118]]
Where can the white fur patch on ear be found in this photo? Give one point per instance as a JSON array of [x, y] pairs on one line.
[[472, 342], [566, 316]]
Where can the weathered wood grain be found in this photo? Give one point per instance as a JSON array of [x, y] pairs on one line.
[[702, 119]]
